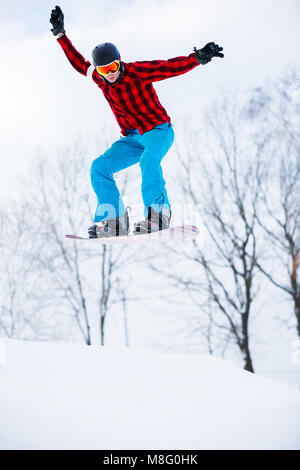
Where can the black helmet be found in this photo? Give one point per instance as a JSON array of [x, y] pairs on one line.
[[105, 53]]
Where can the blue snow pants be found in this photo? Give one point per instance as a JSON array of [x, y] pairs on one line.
[[148, 150]]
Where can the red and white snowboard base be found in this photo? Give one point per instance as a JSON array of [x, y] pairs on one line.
[[180, 232]]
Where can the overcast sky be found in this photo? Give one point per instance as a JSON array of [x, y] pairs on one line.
[[46, 104]]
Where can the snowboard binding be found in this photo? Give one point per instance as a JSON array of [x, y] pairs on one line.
[[154, 222], [110, 228]]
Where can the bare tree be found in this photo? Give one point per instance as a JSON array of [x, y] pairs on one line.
[[224, 173], [23, 305], [277, 106], [79, 275], [55, 198]]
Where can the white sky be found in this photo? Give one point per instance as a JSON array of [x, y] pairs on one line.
[[46, 104]]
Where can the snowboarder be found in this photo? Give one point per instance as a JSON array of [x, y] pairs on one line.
[[147, 132]]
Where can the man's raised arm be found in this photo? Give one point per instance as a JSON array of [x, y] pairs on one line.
[[155, 70], [75, 58]]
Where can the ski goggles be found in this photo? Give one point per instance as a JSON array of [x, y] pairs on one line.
[[109, 68]]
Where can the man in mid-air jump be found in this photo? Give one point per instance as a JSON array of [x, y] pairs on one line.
[[145, 126]]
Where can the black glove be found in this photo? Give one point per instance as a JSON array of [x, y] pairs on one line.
[[57, 21], [204, 55]]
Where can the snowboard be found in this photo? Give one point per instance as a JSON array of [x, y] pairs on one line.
[[180, 232]]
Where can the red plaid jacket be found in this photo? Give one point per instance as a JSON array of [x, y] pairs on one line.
[[133, 99]]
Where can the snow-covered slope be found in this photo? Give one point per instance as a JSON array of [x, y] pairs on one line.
[[55, 396]]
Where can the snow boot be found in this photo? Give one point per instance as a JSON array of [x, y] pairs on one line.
[[110, 228], [154, 222]]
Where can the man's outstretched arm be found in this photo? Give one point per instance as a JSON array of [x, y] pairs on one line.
[[155, 70], [75, 58]]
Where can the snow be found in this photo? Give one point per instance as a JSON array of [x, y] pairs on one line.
[[55, 396]]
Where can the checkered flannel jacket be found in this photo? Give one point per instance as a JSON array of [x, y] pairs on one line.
[[133, 99]]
